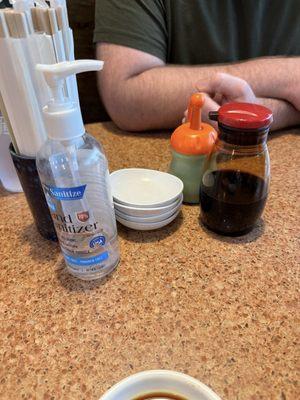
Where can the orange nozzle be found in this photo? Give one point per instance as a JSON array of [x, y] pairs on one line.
[[194, 137], [194, 111]]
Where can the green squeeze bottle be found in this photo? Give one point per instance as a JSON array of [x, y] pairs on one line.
[[190, 143]]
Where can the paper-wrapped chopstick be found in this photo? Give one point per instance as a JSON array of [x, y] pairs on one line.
[[32, 33], [17, 88], [8, 124]]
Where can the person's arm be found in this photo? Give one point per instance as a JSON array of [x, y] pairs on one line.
[[272, 77], [141, 93], [284, 113], [223, 88]]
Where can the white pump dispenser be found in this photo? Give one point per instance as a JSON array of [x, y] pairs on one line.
[[74, 174], [62, 117]]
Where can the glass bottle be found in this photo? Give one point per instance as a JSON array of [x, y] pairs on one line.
[[235, 182]]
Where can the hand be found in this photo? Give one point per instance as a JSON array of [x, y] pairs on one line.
[[223, 88]]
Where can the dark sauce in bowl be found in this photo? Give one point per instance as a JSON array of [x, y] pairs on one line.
[[160, 395]]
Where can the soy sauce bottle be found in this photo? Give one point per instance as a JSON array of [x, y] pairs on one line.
[[235, 182]]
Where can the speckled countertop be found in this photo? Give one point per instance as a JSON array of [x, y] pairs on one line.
[[222, 310]]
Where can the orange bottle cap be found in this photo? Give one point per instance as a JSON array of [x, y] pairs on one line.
[[194, 137]]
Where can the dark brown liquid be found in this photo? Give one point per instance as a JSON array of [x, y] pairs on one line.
[[160, 395], [232, 201]]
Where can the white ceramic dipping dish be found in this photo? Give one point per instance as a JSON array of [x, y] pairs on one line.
[[160, 381], [147, 211], [147, 226], [138, 187], [151, 218]]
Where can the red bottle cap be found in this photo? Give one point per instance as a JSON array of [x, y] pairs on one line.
[[243, 115]]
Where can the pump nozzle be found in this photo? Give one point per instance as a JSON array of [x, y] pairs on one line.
[[56, 73], [62, 116]]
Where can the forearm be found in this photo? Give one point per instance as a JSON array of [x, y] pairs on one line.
[[284, 113], [153, 99], [140, 92], [156, 98], [272, 77], [167, 97]]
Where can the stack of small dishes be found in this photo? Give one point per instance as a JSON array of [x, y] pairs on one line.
[[146, 199]]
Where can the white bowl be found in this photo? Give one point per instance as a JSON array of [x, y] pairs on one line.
[[147, 211], [151, 218], [148, 382], [140, 187], [147, 226]]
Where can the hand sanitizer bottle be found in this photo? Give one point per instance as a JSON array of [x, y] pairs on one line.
[[74, 174]]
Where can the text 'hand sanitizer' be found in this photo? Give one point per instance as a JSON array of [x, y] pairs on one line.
[[74, 174]]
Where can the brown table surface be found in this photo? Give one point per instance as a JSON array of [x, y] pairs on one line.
[[220, 309]]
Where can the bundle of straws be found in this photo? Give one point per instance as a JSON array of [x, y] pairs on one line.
[[32, 32]]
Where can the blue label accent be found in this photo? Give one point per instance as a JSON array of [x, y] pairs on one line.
[[100, 240], [51, 206], [86, 262], [68, 193], [49, 202]]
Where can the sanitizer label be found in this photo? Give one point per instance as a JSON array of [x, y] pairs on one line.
[[69, 193], [82, 232], [86, 261]]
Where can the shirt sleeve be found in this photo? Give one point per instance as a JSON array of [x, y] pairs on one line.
[[139, 24]]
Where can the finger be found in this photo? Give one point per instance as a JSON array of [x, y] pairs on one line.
[[206, 86], [184, 119], [234, 88], [218, 98], [209, 105]]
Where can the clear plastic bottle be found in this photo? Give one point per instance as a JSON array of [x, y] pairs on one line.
[[74, 174], [75, 179]]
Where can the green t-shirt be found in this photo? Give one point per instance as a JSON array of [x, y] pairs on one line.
[[201, 31]]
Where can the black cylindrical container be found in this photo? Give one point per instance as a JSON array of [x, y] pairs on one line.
[[30, 182], [235, 182]]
